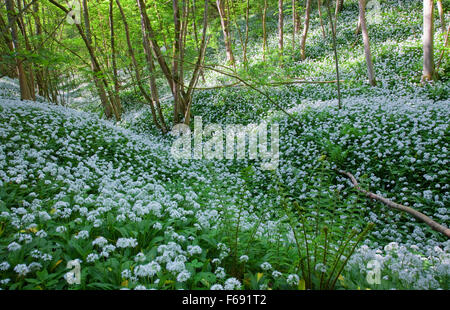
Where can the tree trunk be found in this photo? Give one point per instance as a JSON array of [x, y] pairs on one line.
[[339, 5], [29, 65], [264, 30], [336, 60], [135, 63], [358, 27], [25, 93], [150, 66], [176, 62], [298, 24], [177, 86], [365, 34], [9, 70], [154, 44], [194, 24], [94, 63], [40, 81], [321, 19], [305, 30], [197, 68], [247, 12], [441, 15], [113, 58], [294, 24], [428, 61], [231, 8], [280, 26], [224, 21]]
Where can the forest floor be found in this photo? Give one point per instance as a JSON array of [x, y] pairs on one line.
[[76, 187]]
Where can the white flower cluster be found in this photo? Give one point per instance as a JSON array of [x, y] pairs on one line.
[[415, 267], [148, 270], [126, 243]]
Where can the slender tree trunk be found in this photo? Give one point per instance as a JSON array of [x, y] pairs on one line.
[[358, 27], [321, 18], [231, 8], [113, 58], [155, 94], [441, 15], [103, 40], [177, 86], [183, 34], [365, 34], [294, 24], [153, 90], [194, 24], [40, 81], [305, 30], [298, 23], [29, 65], [247, 11], [154, 44], [162, 25], [177, 107], [94, 63], [280, 26], [339, 5], [87, 25], [197, 68], [224, 21], [264, 30], [25, 93], [336, 59], [144, 93], [9, 70], [178, 92], [428, 61]]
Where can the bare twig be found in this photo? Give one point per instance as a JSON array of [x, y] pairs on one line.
[[416, 214]]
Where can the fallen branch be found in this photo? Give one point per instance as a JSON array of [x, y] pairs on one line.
[[302, 82], [420, 216], [238, 84]]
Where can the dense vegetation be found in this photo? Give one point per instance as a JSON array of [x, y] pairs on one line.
[[106, 192]]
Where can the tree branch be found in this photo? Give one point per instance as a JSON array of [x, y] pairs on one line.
[[416, 214]]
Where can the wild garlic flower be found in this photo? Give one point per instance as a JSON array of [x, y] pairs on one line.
[[232, 284], [266, 266], [126, 243], [21, 269], [83, 234], [14, 246], [100, 241], [4, 266], [220, 273], [183, 276], [61, 229], [148, 270], [194, 249], [217, 287], [293, 279]]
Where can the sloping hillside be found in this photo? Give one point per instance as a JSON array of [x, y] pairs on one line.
[[74, 187]]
